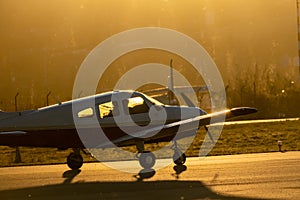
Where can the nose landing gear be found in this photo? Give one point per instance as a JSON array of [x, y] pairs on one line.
[[179, 158]]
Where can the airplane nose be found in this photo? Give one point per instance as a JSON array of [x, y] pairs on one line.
[[183, 112], [190, 112]]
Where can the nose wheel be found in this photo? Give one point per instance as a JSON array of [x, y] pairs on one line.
[[179, 158]]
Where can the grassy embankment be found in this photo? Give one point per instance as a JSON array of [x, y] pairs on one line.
[[235, 139]]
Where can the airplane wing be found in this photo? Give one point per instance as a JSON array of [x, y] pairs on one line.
[[13, 133], [203, 120]]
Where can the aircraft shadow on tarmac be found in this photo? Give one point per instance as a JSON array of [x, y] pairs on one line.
[[70, 175], [117, 190]]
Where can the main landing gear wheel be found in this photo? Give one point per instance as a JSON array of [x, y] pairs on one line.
[[74, 161], [179, 158], [147, 160]]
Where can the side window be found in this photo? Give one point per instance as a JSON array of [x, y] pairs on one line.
[[108, 109], [88, 112]]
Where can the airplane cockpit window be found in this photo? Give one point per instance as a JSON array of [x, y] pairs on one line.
[[154, 101], [107, 109], [135, 105], [88, 112]]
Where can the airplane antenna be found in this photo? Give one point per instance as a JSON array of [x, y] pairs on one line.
[[16, 101], [48, 97], [171, 84], [18, 158]]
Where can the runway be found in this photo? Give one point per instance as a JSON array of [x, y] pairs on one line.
[[248, 176]]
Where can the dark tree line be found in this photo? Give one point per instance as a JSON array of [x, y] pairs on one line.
[[274, 93]]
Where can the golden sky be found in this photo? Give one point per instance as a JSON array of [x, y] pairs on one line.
[[43, 43]]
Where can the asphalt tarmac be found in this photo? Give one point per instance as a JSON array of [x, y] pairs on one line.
[[248, 176]]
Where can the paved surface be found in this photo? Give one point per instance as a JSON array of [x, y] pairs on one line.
[[250, 176]]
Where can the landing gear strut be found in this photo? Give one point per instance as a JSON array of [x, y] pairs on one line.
[[179, 158], [75, 160], [146, 158]]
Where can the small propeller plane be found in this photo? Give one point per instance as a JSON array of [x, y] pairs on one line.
[[126, 118]]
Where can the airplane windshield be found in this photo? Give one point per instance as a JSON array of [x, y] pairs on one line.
[[135, 105], [154, 101], [132, 102]]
